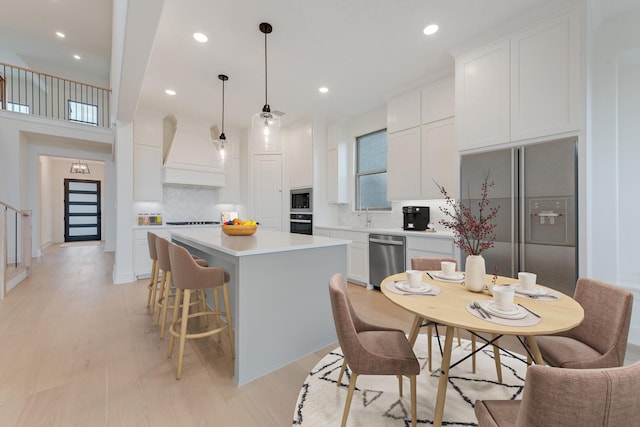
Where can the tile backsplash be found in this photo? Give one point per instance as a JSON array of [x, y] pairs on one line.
[[185, 203], [393, 219]]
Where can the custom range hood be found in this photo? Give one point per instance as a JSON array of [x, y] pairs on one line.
[[190, 157]]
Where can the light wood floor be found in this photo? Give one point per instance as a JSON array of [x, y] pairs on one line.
[[78, 350]]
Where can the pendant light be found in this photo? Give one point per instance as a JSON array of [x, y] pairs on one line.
[[222, 136], [265, 126], [78, 167]]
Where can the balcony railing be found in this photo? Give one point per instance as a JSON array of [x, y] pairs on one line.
[[24, 91], [15, 246]]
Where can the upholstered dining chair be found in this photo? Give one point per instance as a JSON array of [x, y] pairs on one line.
[[569, 397], [429, 263], [600, 341], [369, 349], [188, 276]]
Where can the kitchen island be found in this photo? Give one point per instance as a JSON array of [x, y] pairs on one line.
[[278, 292]]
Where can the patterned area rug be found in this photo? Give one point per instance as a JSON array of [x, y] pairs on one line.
[[376, 401]]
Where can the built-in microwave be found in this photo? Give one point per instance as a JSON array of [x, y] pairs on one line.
[[301, 200]]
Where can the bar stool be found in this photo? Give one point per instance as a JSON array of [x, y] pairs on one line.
[[188, 277], [154, 281], [166, 285]]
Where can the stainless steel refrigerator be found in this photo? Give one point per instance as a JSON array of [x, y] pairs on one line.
[[536, 188]]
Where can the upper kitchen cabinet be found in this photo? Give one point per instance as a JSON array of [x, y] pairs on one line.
[[545, 78], [524, 86], [439, 159], [404, 169], [147, 158], [418, 155], [482, 96], [438, 100], [403, 112], [300, 157], [336, 163]]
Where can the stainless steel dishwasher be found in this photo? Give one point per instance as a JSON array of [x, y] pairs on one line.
[[386, 257]]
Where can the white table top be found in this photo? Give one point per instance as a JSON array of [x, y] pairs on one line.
[[262, 242]]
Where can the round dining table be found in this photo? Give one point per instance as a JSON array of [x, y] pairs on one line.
[[449, 308]]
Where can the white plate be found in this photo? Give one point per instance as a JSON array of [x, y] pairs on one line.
[[532, 291], [454, 276], [517, 313], [404, 286]]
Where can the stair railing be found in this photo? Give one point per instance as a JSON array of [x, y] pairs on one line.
[[15, 246]]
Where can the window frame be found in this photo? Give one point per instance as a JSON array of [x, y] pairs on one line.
[[358, 174]]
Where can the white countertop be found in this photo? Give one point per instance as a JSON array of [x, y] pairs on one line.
[[394, 231], [262, 242]]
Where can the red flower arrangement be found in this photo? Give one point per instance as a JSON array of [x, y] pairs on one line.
[[473, 234]]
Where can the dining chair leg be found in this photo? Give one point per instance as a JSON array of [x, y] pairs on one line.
[[165, 305], [174, 319], [429, 346], [535, 350], [496, 358], [344, 367], [183, 330], [414, 409], [347, 404], [458, 335], [227, 310], [400, 385], [473, 351]]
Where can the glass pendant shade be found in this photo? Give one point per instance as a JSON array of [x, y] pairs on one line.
[[265, 132]]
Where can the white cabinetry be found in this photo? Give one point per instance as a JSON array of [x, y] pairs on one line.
[[357, 252], [141, 260], [545, 78], [521, 87], [482, 96], [336, 163], [418, 155], [147, 173], [439, 158], [300, 155], [403, 164], [403, 112], [429, 247], [147, 158]]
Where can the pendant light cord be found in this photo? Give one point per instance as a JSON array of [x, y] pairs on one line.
[[265, 70], [223, 106]]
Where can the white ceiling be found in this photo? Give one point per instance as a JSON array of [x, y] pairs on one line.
[[364, 51]]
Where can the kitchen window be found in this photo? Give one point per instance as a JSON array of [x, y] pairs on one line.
[[371, 171]]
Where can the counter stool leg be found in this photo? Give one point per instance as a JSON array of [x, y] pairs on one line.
[[216, 308], [165, 305], [227, 309], [203, 303], [174, 319], [153, 284], [183, 330], [161, 298]]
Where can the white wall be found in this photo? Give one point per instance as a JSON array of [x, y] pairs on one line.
[[612, 235], [24, 139]]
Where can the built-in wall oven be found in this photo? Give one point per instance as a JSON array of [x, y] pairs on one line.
[[301, 223]]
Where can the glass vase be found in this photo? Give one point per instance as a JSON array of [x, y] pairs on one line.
[[475, 272]]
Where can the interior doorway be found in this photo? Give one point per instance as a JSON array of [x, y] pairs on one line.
[[82, 210]]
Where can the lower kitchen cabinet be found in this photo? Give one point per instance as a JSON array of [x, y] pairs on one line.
[[357, 252], [433, 247], [141, 260]]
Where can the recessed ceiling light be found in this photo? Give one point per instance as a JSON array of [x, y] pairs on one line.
[[200, 37], [323, 89], [170, 92], [430, 29], [77, 57], [60, 34]]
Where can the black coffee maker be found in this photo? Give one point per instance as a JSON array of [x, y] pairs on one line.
[[415, 217]]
